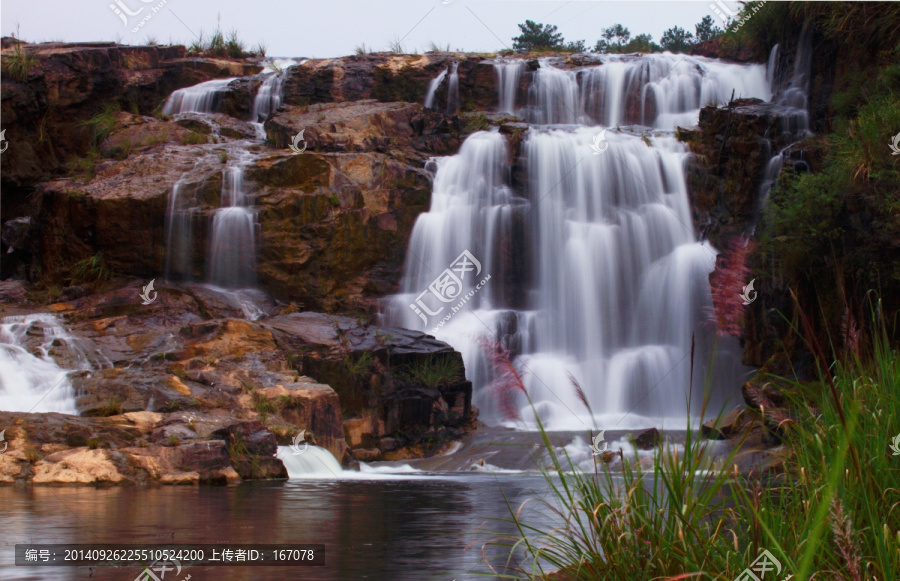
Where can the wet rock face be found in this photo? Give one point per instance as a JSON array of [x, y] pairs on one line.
[[184, 391], [72, 82], [396, 387], [388, 77]]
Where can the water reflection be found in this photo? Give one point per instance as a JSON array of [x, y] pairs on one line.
[[393, 530]]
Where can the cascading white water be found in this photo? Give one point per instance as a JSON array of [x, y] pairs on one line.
[[795, 116], [203, 98], [658, 90], [770, 66], [180, 216], [433, 87], [508, 75], [453, 89], [268, 96], [232, 239], [593, 269], [30, 379], [619, 281]]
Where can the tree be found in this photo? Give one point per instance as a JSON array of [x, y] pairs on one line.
[[576, 46], [677, 39], [706, 30], [537, 37], [601, 46], [617, 36], [641, 43]]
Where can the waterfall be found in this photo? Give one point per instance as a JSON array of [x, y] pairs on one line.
[[657, 90], [203, 98], [30, 378], [508, 74], [453, 89], [770, 67], [232, 239], [268, 96], [312, 462], [794, 99], [613, 285], [432, 89], [180, 215]]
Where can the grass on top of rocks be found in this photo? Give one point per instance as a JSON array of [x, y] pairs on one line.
[[220, 44], [833, 513], [434, 371]]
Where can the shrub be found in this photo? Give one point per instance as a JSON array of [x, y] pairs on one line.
[[434, 371]]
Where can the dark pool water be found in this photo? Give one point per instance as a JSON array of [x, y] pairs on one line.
[[421, 529]]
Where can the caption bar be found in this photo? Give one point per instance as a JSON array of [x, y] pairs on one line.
[[121, 555]]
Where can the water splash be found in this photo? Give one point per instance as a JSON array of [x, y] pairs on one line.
[[203, 98], [30, 378]]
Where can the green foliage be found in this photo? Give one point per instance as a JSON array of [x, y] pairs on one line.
[[234, 45], [434, 47], [222, 155], [616, 35], [706, 29], [537, 36], [111, 407], [433, 371], [91, 269], [217, 45], [362, 365], [194, 139], [395, 46], [263, 405], [85, 166], [102, 124], [831, 515], [334, 200], [577, 46], [261, 49], [677, 39], [476, 122], [361, 49], [20, 61]]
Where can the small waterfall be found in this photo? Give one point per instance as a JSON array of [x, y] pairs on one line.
[[203, 98], [232, 240], [794, 99], [432, 89], [30, 378], [658, 90], [453, 89], [508, 75], [770, 67], [607, 281], [180, 215], [268, 97], [312, 462]]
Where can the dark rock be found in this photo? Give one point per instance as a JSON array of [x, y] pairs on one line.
[[647, 440], [726, 426]]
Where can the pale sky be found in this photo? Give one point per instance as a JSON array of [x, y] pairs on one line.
[[327, 28]]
